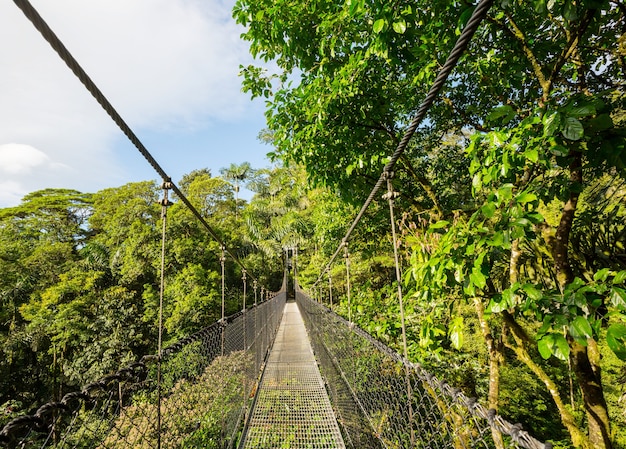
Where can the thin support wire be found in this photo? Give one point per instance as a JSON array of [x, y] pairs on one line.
[[223, 262], [245, 285], [352, 343], [330, 288], [164, 204], [390, 195], [295, 265], [346, 255]]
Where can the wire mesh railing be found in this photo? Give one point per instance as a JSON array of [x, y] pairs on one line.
[[368, 387], [207, 381]]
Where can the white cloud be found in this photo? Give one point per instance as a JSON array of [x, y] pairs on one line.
[[11, 192], [163, 64], [20, 159]]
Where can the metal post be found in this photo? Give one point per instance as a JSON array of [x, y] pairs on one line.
[[223, 321], [164, 203], [254, 286], [330, 288], [390, 195], [245, 323], [346, 255]]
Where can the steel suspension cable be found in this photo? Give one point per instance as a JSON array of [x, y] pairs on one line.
[[459, 48], [40, 24]]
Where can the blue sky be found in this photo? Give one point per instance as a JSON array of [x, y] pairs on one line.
[[170, 69]]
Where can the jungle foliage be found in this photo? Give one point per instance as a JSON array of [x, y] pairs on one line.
[[512, 191], [511, 212]]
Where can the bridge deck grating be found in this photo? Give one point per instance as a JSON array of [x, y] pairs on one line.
[[292, 409]]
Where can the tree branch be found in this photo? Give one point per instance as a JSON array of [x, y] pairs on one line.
[[518, 35], [522, 342], [570, 48], [424, 184]]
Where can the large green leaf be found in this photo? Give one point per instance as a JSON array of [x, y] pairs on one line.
[[553, 344], [580, 329], [616, 339], [572, 129], [551, 123], [618, 297], [399, 26], [379, 25], [456, 332]]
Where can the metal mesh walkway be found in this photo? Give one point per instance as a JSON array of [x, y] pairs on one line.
[[292, 409]]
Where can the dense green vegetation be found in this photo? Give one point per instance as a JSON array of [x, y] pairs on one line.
[[511, 212], [512, 191], [80, 280]]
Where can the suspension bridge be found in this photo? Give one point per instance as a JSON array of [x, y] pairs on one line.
[[284, 372]]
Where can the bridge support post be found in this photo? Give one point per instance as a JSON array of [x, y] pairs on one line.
[[330, 288], [223, 321], [389, 196], [164, 204]]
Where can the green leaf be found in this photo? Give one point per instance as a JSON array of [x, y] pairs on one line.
[[488, 209], [525, 197], [505, 111], [620, 277], [573, 286], [616, 339], [553, 344], [582, 111], [580, 327], [544, 346], [618, 297], [379, 25], [440, 224], [477, 182], [399, 26], [551, 123], [505, 192], [535, 217], [601, 275], [478, 279], [562, 348], [572, 129], [496, 307], [532, 154], [569, 11], [601, 123], [456, 332], [532, 292]]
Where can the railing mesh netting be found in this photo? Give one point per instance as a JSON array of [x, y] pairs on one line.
[[370, 385], [207, 382]]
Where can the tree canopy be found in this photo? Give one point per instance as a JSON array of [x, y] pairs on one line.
[[525, 144]]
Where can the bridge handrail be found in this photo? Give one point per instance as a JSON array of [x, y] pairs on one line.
[[221, 338], [330, 333]]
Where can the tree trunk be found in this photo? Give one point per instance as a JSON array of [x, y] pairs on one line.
[[590, 385], [587, 372], [494, 347], [521, 347]]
